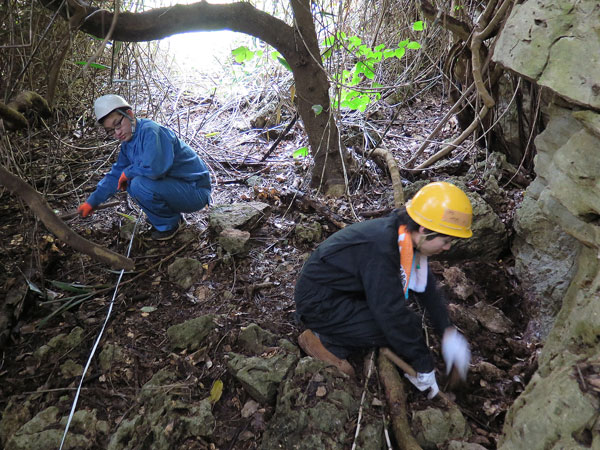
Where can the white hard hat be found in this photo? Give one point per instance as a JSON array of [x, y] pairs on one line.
[[106, 104]]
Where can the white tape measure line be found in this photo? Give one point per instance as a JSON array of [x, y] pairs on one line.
[[87, 365]]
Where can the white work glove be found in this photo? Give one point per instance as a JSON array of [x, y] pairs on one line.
[[424, 381], [455, 350]]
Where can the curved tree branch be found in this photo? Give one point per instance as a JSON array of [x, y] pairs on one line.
[[158, 23], [39, 206], [457, 27]]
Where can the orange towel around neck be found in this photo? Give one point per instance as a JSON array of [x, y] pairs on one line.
[[405, 245]]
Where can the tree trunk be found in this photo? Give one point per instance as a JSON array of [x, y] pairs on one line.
[[312, 88]]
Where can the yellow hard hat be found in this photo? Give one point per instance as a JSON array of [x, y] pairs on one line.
[[442, 207]]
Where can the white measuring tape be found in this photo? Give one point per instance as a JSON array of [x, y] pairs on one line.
[[87, 365]]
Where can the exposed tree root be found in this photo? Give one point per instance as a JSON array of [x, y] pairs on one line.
[[396, 399], [394, 174], [41, 209], [14, 113]]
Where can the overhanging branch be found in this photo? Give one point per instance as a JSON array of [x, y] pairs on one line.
[[159, 23]]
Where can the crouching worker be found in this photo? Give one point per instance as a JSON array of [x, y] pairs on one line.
[[352, 293], [160, 171]]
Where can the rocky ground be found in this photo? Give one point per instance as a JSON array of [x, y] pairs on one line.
[[153, 385]]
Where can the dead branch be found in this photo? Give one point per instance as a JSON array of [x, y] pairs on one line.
[[459, 140], [410, 163], [42, 210], [394, 174], [300, 197], [396, 399], [457, 27]]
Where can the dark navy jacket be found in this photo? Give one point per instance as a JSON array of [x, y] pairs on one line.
[[362, 261]]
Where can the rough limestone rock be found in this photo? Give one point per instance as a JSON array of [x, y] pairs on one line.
[[15, 415], [70, 369], [254, 339], [110, 356], [459, 445], [184, 272], [59, 345], [261, 376], [308, 233], [246, 216], [45, 431], [234, 241], [317, 409], [191, 333], [547, 40], [166, 420], [565, 410], [433, 427], [491, 318], [555, 44]]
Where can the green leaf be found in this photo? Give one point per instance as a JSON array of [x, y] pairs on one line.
[[242, 54], [419, 25], [216, 391], [413, 45], [403, 43], [318, 109], [92, 65], [72, 287], [302, 152], [329, 41], [400, 52], [127, 216], [379, 47], [284, 63], [353, 42], [389, 53], [148, 309]]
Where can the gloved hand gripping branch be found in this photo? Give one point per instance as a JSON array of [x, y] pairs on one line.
[[424, 381]]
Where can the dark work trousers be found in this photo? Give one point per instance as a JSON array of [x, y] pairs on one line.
[[343, 320]]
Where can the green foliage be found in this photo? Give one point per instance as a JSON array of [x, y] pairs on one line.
[[302, 152], [357, 87], [353, 92], [92, 65]]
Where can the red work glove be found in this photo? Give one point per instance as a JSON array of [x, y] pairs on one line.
[[122, 186], [85, 209]]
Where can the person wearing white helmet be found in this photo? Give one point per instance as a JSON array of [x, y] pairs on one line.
[[352, 292], [160, 171]]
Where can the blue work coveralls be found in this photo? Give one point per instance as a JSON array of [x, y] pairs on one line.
[[166, 177]]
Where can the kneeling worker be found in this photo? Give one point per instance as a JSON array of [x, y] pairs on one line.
[[352, 292], [160, 171]]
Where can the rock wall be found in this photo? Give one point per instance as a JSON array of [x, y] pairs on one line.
[[556, 44]]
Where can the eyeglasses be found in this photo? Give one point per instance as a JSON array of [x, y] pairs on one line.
[[110, 132]]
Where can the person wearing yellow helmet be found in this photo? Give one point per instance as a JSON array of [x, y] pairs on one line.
[[159, 170], [352, 292]]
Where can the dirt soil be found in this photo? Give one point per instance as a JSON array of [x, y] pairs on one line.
[[257, 288]]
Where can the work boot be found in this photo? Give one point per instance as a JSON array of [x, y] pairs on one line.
[[312, 346]]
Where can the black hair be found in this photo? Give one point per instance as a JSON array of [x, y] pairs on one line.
[[411, 225], [122, 111]]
